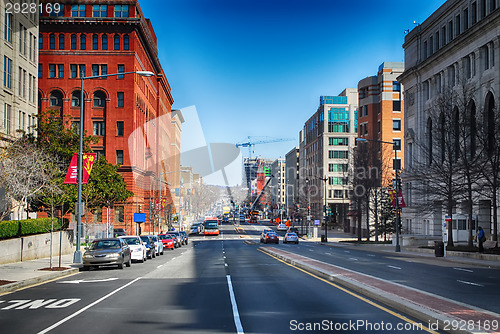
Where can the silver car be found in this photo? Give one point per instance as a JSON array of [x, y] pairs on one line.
[[158, 244], [107, 252]]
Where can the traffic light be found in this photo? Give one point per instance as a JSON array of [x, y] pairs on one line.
[[140, 208]]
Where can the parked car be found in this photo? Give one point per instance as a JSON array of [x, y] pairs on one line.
[[118, 232], [282, 227], [107, 252], [150, 246], [294, 230], [269, 236], [137, 248], [180, 236], [195, 229], [185, 236], [291, 237], [158, 244], [167, 240]]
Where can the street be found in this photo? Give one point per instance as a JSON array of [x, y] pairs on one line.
[[226, 284]]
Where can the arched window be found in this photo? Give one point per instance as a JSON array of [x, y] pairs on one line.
[[73, 42], [75, 98], [61, 41], [56, 98], [52, 41], [83, 42], [95, 42], [99, 99], [126, 42], [117, 42], [104, 41]]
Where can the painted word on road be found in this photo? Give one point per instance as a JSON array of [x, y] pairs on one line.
[[21, 304]]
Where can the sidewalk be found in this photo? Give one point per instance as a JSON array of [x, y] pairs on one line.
[[18, 275]]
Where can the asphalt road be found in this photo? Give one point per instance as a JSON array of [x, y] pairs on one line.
[[213, 285]]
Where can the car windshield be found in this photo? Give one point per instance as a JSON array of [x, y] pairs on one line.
[[211, 224], [145, 239], [165, 236], [105, 244], [271, 234], [132, 241]]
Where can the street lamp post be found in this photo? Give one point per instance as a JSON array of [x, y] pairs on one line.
[[324, 209], [77, 256], [308, 206], [396, 169]]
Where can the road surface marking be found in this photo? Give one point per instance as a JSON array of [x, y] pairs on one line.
[[371, 255], [469, 283], [462, 269], [225, 264], [346, 251], [236, 315], [161, 265], [57, 324], [394, 267], [380, 307], [353, 258], [78, 281], [328, 253]]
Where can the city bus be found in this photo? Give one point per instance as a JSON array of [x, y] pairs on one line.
[[211, 226]]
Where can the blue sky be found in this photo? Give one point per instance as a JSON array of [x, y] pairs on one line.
[[257, 68]]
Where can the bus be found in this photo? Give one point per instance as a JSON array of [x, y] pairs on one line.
[[211, 226]]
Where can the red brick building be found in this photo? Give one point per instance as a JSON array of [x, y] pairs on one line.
[[129, 114]]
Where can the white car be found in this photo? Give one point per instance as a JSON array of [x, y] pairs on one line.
[[282, 227], [158, 244], [138, 250], [290, 237]]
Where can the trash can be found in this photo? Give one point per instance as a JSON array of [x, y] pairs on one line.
[[323, 238], [439, 248]]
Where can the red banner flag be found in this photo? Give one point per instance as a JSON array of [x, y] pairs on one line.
[[72, 174], [401, 200]]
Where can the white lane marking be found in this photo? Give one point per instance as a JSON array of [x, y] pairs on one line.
[[371, 255], [225, 264], [328, 253], [469, 283], [161, 265], [78, 281], [346, 251], [394, 267], [236, 315], [57, 324], [353, 258], [462, 269]]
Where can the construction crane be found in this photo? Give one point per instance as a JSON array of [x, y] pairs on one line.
[[252, 142]]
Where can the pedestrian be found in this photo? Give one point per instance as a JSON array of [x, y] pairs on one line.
[[480, 239]]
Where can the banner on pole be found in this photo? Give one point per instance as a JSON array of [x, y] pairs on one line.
[[72, 174]]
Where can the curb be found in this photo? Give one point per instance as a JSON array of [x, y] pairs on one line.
[[420, 312], [11, 287]]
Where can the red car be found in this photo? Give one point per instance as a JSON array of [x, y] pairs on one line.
[[269, 236], [168, 241]]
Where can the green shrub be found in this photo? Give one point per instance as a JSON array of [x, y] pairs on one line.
[[18, 228]]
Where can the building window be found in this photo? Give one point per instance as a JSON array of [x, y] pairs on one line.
[[56, 98], [52, 41], [338, 154], [119, 128], [117, 42], [126, 42], [73, 42], [466, 18], [7, 117], [7, 72], [75, 126], [40, 42], [338, 141], [60, 70], [121, 10], [99, 99], [450, 31], [75, 98], [119, 214], [396, 105], [78, 10], [8, 27], [61, 41], [120, 99], [121, 69], [457, 25], [396, 144], [396, 125], [396, 86], [95, 69], [104, 69], [119, 157], [338, 193], [52, 70], [473, 8], [396, 164], [104, 41], [99, 11], [59, 13], [83, 42], [73, 71], [95, 42], [40, 71], [98, 128]]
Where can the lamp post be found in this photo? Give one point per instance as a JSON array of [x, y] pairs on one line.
[[308, 206], [77, 256], [324, 209], [396, 170]]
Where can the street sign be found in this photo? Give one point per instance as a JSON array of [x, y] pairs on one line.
[[139, 217]]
